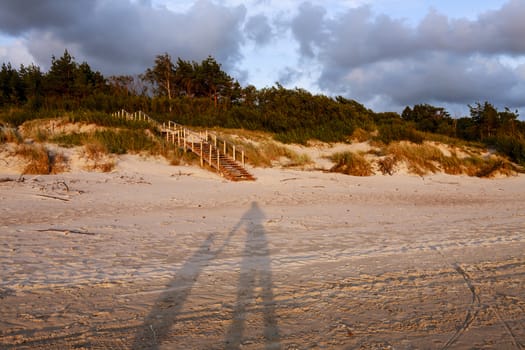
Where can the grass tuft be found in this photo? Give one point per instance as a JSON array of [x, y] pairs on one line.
[[421, 159], [41, 161], [350, 163], [267, 152], [386, 165]]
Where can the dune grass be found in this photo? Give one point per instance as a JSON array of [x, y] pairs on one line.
[[40, 160], [264, 153], [350, 163], [425, 158], [420, 158]]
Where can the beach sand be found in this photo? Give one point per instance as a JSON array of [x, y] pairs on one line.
[[152, 256]]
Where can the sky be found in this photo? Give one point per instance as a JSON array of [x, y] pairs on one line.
[[386, 54]]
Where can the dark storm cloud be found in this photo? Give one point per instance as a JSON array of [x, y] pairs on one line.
[[120, 36], [440, 60], [19, 16]]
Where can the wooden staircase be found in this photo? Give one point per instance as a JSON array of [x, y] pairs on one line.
[[225, 158], [224, 164]]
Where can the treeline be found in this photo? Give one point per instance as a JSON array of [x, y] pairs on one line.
[[202, 94]]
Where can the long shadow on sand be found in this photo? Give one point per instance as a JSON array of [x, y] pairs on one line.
[[255, 271]]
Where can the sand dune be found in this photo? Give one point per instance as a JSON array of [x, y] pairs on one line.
[[152, 256]]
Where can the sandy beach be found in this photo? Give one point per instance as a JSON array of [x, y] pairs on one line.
[[152, 256]]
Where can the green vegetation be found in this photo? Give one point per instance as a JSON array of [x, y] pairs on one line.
[[201, 94]]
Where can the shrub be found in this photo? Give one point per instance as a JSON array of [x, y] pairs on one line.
[[17, 117], [351, 164], [389, 133], [512, 146]]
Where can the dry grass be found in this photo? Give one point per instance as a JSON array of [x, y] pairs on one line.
[[264, 154], [240, 135], [497, 166], [176, 156], [39, 160], [9, 135], [386, 165], [421, 159], [350, 163], [98, 158], [425, 158], [260, 148], [37, 130]]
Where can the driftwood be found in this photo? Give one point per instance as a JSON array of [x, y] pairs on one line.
[[67, 231], [52, 197]]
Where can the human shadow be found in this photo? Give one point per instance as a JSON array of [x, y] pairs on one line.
[[168, 306], [255, 282]]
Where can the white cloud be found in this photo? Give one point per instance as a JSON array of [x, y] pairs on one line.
[[15, 52]]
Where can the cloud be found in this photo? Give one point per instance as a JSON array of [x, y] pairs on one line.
[[15, 51], [258, 29], [440, 60], [122, 37], [19, 16], [307, 27]]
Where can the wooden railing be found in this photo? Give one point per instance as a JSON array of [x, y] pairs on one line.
[[134, 116], [181, 135], [207, 145]]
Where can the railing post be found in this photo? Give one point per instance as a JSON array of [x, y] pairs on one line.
[[210, 155], [202, 159], [242, 156], [215, 140], [225, 149], [233, 152], [218, 161], [184, 139]]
